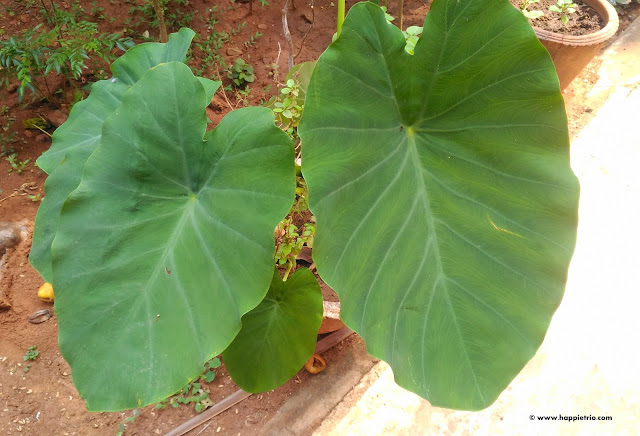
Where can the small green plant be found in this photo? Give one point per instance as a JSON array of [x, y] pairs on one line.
[[97, 11], [6, 150], [387, 16], [63, 47], [123, 425], [411, 36], [291, 238], [532, 15], [16, 165], [242, 96], [7, 137], [241, 73], [253, 39], [174, 14], [194, 393], [31, 354], [208, 50], [4, 110], [564, 8], [287, 106]]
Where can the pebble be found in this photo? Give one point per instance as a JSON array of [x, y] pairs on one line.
[[9, 236], [262, 26], [42, 138], [57, 118]]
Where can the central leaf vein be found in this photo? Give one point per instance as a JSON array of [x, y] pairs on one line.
[[423, 194]]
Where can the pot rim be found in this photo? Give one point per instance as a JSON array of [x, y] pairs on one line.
[[605, 10]]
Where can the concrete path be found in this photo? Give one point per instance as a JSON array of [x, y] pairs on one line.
[[589, 363]]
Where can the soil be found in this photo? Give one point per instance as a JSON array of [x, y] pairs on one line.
[[583, 21], [43, 400]]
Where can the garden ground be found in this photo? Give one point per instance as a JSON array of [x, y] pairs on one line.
[[584, 367]]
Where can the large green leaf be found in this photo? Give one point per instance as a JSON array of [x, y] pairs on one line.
[[167, 241], [279, 335], [78, 137], [83, 128], [446, 208]]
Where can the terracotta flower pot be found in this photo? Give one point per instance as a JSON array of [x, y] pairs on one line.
[[331, 317], [571, 54]]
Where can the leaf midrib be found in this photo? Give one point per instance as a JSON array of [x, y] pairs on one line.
[[442, 277]]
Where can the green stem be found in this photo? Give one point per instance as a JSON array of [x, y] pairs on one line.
[[340, 16], [287, 271]]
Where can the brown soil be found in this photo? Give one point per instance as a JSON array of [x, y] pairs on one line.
[[583, 21], [43, 401]]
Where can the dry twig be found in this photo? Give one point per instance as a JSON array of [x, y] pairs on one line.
[[287, 34], [221, 89]]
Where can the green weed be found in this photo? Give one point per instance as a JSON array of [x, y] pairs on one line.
[[290, 238], [194, 392], [62, 46], [31, 354], [564, 8], [241, 73], [16, 165]]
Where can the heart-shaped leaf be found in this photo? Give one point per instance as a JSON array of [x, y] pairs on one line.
[[167, 241], [446, 207], [78, 137], [279, 335]]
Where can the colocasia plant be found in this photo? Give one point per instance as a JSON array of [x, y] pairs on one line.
[[445, 211]]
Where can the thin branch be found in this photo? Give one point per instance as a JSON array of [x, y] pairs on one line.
[[41, 129], [21, 191], [221, 89], [275, 75], [12, 195], [46, 11], [287, 34]]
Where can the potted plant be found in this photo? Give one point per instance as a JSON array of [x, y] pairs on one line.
[[446, 214], [571, 53]]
